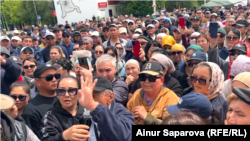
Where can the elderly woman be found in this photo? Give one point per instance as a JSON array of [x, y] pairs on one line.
[[193, 37], [241, 80], [207, 78], [241, 64], [239, 107], [159, 37], [177, 53]]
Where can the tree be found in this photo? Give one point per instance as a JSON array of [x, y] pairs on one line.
[[11, 11], [170, 5]]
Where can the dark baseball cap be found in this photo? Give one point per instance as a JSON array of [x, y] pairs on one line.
[[66, 32], [236, 11], [76, 33], [195, 19], [34, 39], [105, 28], [240, 7], [152, 68], [243, 94], [56, 29], [241, 23], [17, 60], [194, 102], [41, 68], [102, 84], [239, 46], [198, 55]]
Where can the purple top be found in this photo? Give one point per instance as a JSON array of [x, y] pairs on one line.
[[148, 101]]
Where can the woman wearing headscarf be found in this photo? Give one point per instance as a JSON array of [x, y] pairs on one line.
[[207, 78], [241, 64], [121, 50], [167, 42], [159, 37], [177, 54], [239, 48]]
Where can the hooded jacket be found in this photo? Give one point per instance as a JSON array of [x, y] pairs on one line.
[[171, 27]]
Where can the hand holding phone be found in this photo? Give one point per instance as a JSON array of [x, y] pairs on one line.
[[182, 22], [136, 48], [213, 29]]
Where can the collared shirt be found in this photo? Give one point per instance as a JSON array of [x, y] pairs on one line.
[[68, 48]]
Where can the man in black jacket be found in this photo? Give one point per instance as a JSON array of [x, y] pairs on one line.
[[10, 71]]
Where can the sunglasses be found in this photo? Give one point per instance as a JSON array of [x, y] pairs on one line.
[[31, 66], [143, 43], [177, 52], [119, 48], [51, 76], [190, 64], [233, 53], [200, 80], [130, 24], [98, 52], [222, 35], [111, 54], [25, 52], [193, 38], [232, 37], [20, 97], [52, 38], [70, 91], [151, 78], [43, 38]]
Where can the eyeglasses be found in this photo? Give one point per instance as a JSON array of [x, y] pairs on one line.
[[201, 81], [177, 52], [51, 76], [20, 97], [151, 78], [119, 48], [143, 43], [222, 35], [111, 54], [232, 37], [130, 24], [52, 38], [31, 66], [234, 52], [70, 91], [25, 52], [98, 52], [193, 38]]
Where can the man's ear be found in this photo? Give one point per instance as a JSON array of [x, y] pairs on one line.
[[111, 96], [162, 80], [37, 81]]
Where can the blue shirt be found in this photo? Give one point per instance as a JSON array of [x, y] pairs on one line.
[[68, 48], [148, 101]]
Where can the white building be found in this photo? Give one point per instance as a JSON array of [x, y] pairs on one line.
[[79, 10]]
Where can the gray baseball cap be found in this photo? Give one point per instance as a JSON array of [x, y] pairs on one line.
[[5, 51]]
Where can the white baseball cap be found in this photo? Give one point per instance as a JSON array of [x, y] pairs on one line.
[[150, 25], [147, 16], [49, 34], [16, 38], [138, 30], [4, 38], [95, 34], [122, 30], [15, 32]]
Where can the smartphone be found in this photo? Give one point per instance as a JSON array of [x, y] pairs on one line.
[[84, 62], [136, 48], [213, 29], [139, 26], [182, 22]]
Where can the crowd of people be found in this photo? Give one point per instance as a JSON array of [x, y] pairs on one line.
[[85, 82]]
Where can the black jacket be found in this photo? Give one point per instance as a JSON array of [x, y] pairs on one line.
[[173, 85], [57, 120]]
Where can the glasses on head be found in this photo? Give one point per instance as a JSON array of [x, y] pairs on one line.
[[26, 52], [201, 81], [51, 38], [193, 64], [20, 97], [143, 43], [222, 35], [70, 91], [98, 52], [232, 37], [51, 76], [31, 66], [111, 54], [177, 52], [151, 78], [236, 52]]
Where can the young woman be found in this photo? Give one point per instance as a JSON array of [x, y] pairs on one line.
[[99, 50], [65, 120], [203, 41], [29, 66], [55, 53], [20, 92], [150, 47], [207, 78]]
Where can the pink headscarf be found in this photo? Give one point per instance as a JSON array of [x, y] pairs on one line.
[[165, 62], [133, 61]]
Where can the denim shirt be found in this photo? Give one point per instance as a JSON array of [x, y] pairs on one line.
[[68, 48]]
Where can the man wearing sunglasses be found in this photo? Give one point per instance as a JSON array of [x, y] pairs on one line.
[[242, 25], [196, 58], [148, 104], [26, 52], [105, 34], [67, 42], [46, 81]]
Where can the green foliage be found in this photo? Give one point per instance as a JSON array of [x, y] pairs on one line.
[[10, 11], [170, 5]]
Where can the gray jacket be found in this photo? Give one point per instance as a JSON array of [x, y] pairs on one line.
[[213, 56]]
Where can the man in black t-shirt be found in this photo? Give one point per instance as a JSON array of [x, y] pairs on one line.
[[46, 81]]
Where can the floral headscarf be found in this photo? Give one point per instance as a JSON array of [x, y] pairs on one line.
[[217, 79]]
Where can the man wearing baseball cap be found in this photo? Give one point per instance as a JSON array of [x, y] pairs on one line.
[[67, 42], [5, 42], [76, 38], [15, 43], [242, 25], [114, 37], [51, 41], [46, 82], [96, 38], [195, 22], [26, 52], [58, 35], [148, 104], [123, 33], [196, 58], [10, 71], [11, 129], [151, 32]]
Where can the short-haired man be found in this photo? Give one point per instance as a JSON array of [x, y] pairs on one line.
[[148, 104], [10, 71], [46, 81], [151, 32], [67, 42], [229, 22], [15, 43], [114, 37], [200, 15], [84, 32], [242, 25], [195, 23], [96, 38], [35, 46], [106, 67], [58, 34], [105, 34], [5, 42]]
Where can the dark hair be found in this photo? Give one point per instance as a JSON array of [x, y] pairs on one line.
[[113, 49], [203, 64], [101, 46], [65, 63], [31, 59], [72, 77], [160, 50], [236, 32], [22, 84], [84, 30], [183, 118], [27, 37], [41, 34], [215, 119], [148, 46]]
